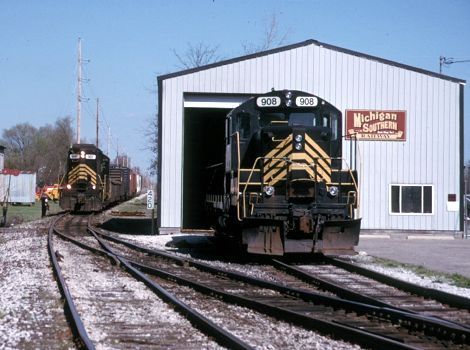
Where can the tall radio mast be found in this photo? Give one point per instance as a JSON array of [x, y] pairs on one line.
[[79, 87], [97, 120]]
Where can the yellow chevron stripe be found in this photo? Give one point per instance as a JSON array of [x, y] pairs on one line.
[[274, 174], [281, 176], [323, 170], [320, 173], [81, 172], [85, 178], [279, 147], [325, 164], [320, 150], [317, 153], [274, 165], [83, 168], [301, 156], [275, 170]]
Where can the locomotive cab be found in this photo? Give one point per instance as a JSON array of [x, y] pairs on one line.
[[285, 189]]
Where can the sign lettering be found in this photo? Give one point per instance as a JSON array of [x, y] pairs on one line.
[[377, 125]]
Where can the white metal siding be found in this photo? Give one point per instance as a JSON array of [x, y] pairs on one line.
[[430, 154]]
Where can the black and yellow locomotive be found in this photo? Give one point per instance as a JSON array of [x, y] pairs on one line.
[[91, 183], [283, 187], [85, 186]]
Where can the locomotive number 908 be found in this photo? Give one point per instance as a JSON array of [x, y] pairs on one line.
[[272, 101], [306, 101]]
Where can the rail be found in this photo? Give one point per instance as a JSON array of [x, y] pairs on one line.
[[443, 297], [204, 324], [364, 305], [70, 308]]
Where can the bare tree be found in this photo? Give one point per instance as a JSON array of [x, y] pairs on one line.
[[40, 150], [272, 37], [197, 55], [56, 140], [202, 54], [19, 141], [151, 135]]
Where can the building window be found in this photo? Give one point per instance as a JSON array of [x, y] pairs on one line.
[[411, 199]]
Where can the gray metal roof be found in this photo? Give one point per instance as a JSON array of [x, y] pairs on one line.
[[306, 43]]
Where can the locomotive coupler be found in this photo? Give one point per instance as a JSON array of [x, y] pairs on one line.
[[305, 224], [81, 198], [320, 220]]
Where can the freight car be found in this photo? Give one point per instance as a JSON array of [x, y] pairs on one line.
[[284, 186], [91, 183]]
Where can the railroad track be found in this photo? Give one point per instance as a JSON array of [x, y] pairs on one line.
[[364, 324], [443, 297], [102, 304], [356, 283]]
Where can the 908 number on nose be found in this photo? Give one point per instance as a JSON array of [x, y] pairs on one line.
[[272, 101], [306, 101]]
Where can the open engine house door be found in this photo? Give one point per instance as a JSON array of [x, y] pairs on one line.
[[203, 146]]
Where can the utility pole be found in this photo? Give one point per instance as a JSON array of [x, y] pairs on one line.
[[117, 152], [109, 139], [466, 200], [97, 120], [446, 61], [79, 88]]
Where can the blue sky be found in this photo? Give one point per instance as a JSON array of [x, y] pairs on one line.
[[129, 43]]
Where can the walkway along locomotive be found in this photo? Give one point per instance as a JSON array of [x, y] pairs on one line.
[[91, 183], [282, 187]]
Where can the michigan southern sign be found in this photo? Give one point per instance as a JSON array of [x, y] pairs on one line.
[[376, 125]]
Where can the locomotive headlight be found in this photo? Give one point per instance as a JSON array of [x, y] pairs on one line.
[[289, 94], [268, 190], [82, 154], [298, 146], [298, 138], [333, 191], [288, 103], [93, 187], [69, 186]]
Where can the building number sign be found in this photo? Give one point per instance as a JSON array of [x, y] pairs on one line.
[[150, 199]]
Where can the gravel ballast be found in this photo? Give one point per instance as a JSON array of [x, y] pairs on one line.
[[31, 309]]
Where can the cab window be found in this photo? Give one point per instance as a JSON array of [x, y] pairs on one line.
[[267, 119], [244, 125], [302, 119], [330, 120], [325, 120]]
